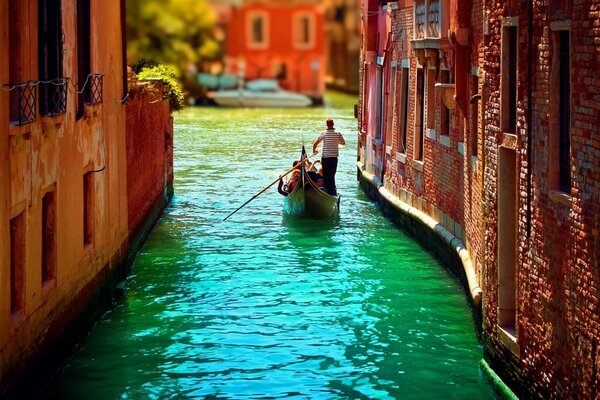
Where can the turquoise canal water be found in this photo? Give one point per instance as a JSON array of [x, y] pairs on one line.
[[267, 306]]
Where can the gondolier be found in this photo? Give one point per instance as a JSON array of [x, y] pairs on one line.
[[329, 158]]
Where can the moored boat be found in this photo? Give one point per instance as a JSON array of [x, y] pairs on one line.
[[260, 93]]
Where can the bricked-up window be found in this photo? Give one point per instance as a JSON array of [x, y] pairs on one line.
[[509, 79], [84, 58], [564, 112], [88, 208], [420, 116], [507, 239], [390, 108], [50, 56], [474, 117], [48, 237], [404, 111], [17, 263]]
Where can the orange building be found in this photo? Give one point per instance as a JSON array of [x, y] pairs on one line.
[[65, 229], [279, 39]]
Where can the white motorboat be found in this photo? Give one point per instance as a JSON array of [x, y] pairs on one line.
[[260, 93]]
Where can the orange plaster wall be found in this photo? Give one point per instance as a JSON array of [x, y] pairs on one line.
[[263, 62], [4, 176], [58, 151]]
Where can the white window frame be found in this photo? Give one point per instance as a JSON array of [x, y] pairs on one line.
[[297, 27], [250, 18]]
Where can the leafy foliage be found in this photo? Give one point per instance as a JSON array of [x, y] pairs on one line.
[[171, 32], [169, 77]]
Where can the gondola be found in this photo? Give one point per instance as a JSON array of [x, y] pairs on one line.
[[307, 199]]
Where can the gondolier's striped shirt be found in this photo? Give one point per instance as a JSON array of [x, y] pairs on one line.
[[330, 139]]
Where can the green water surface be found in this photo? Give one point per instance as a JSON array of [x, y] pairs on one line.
[[266, 306]]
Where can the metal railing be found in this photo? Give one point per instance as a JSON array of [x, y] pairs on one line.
[[93, 89], [22, 102], [53, 96]]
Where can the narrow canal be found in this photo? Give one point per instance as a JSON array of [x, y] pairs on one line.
[[264, 306]]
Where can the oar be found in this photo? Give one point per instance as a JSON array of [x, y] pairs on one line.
[[261, 192]]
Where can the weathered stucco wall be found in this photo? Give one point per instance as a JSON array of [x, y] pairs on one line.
[[51, 155]]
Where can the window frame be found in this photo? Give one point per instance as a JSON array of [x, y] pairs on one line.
[[251, 17]]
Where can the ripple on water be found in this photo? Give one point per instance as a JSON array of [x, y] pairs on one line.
[[268, 306]]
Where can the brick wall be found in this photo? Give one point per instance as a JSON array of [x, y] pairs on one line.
[[557, 239], [149, 150], [553, 350]]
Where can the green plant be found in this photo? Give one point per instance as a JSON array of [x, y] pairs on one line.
[[168, 75]]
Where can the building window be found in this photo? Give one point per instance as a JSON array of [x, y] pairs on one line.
[[22, 94], [304, 31], [403, 129], [420, 116], [390, 107], [257, 30], [53, 92], [564, 112], [84, 60], [509, 72], [88, 208], [445, 111], [474, 108], [48, 237], [125, 89], [380, 103], [17, 263], [430, 98]]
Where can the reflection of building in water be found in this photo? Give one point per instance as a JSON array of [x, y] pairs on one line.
[[342, 43], [278, 39]]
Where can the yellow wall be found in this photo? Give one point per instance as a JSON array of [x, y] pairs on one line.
[[59, 150]]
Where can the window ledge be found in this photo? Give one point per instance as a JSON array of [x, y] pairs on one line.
[[560, 197], [55, 120], [461, 148], [418, 165], [474, 164], [388, 150], [20, 130], [444, 140], [430, 134], [401, 157], [507, 336]]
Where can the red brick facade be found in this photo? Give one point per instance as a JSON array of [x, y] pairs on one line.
[[149, 150], [516, 179]]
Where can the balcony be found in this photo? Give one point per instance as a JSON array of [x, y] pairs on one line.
[[53, 97], [22, 102], [93, 89], [431, 23]]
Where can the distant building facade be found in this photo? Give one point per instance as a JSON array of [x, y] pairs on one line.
[[66, 230], [278, 39], [480, 121], [342, 44]]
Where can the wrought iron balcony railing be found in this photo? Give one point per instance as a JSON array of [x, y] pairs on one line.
[[53, 97], [22, 102], [93, 89]]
